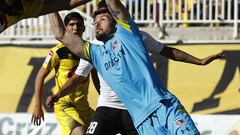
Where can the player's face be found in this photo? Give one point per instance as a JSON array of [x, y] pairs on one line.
[[103, 25], [75, 26]]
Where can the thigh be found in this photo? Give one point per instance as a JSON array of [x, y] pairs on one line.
[[68, 119], [169, 118], [127, 124], [178, 120], [79, 130], [106, 121], [58, 5], [85, 116], [154, 124], [51, 6], [32, 8]]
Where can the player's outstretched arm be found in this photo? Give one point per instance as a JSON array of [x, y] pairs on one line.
[[155, 47], [117, 9], [51, 6], [38, 114], [72, 41], [179, 55]]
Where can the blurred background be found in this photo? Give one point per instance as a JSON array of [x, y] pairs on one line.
[[211, 94]]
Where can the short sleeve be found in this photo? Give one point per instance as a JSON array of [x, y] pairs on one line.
[[152, 45], [51, 61], [84, 68]]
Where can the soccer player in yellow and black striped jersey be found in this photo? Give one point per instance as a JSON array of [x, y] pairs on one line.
[[12, 11], [72, 111]]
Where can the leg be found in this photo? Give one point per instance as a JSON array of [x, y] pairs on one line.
[[35, 8], [177, 119], [69, 119], [106, 121], [50, 5], [79, 130], [66, 122], [10, 2], [169, 119], [127, 124], [148, 128]]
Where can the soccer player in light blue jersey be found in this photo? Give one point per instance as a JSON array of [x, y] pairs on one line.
[[125, 65], [111, 115]]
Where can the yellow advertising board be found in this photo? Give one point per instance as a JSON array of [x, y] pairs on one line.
[[214, 88], [19, 66]]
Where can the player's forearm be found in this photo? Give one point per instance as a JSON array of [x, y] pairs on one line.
[[178, 55], [69, 87], [117, 9], [185, 57], [81, 74], [38, 100], [57, 26], [39, 82]]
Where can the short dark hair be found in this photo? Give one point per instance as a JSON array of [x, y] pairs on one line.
[[102, 4], [72, 15], [102, 8]]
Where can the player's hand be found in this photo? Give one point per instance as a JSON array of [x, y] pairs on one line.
[[211, 58], [50, 101], [37, 116]]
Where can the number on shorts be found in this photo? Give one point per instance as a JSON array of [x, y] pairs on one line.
[[92, 127]]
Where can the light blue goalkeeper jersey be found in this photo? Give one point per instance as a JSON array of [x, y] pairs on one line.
[[126, 66]]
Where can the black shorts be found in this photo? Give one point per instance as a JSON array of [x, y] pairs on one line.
[[111, 121]]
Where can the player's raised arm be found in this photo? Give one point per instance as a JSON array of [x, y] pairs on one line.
[[179, 55], [117, 9], [73, 42]]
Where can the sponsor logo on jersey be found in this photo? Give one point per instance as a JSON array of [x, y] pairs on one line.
[[116, 54], [114, 60], [116, 44], [179, 122], [50, 54]]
